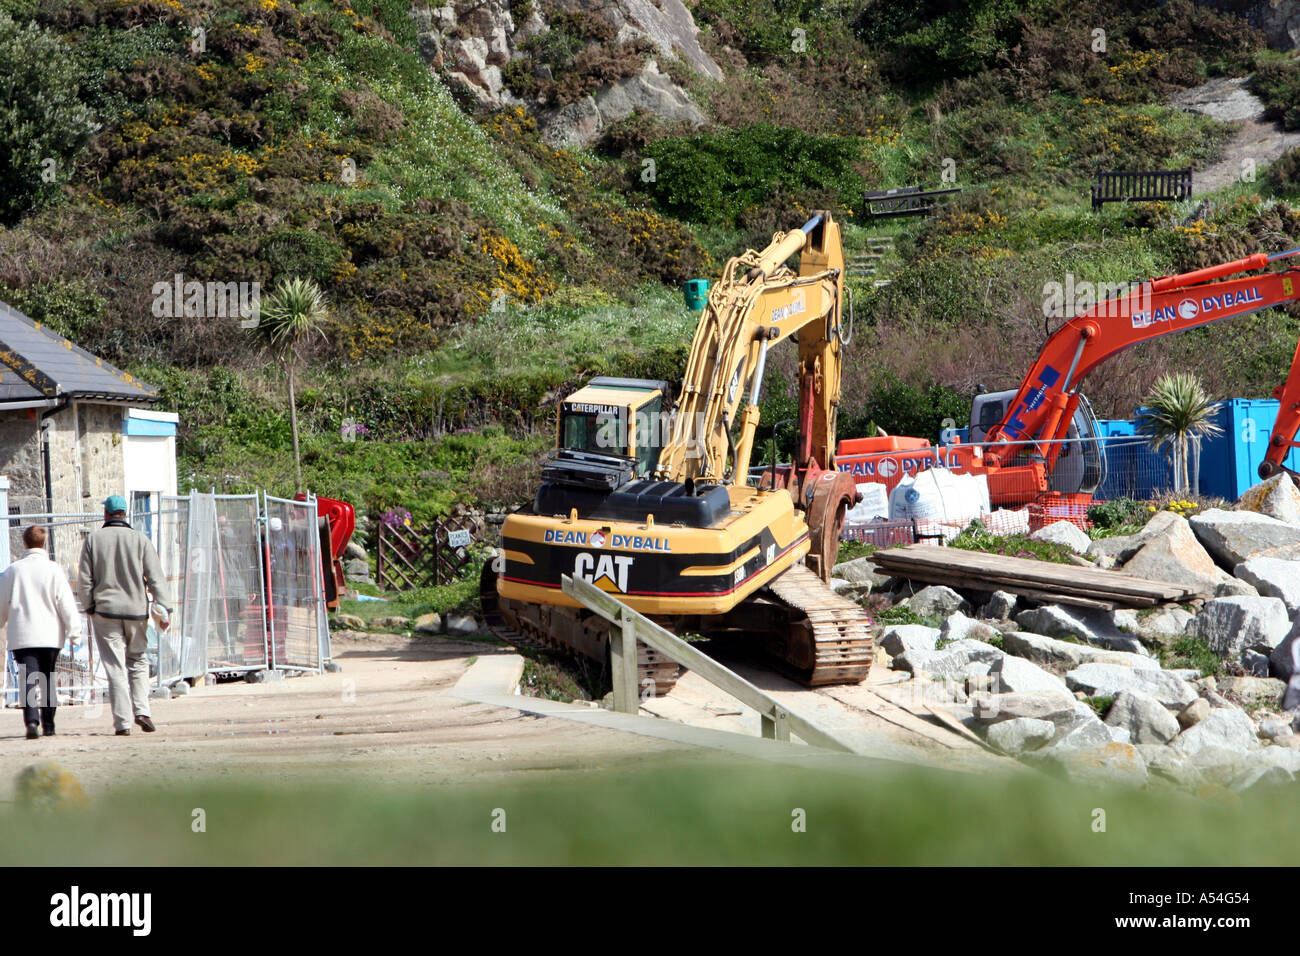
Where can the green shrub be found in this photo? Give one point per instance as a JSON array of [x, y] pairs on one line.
[[43, 122], [70, 307], [1284, 172], [851, 550], [1119, 513], [898, 614], [976, 537], [903, 408], [930, 38], [719, 177], [1100, 703], [575, 57], [1277, 83], [1191, 652]]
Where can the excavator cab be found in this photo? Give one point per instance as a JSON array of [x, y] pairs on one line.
[[1081, 467], [620, 417]]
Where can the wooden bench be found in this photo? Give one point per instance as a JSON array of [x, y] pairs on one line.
[[904, 201], [1169, 185]]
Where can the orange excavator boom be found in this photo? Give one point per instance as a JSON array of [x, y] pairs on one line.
[[1037, 419]]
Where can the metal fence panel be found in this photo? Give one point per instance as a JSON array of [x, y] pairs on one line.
[[295, 593], [225, 544], [181, 650], [78, 673]]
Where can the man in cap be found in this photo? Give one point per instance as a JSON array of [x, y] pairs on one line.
[[119, 572]]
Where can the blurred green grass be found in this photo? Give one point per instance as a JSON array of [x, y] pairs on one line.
[[666, 811]]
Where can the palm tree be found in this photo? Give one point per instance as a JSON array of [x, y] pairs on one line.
[[293, 313], [1177, 411]]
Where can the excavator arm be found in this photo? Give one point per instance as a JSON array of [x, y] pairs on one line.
[[1040, 414], [1283, 437], [758, 303]]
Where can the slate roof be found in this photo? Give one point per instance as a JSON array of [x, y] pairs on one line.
[[37, 363]]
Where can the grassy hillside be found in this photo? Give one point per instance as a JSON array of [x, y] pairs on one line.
[[475, 274]]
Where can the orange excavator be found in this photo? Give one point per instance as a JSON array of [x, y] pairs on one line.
[[1026, 435]]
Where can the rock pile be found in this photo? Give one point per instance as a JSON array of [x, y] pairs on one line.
[[1087, 691]]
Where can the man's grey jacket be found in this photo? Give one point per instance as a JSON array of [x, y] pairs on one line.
[[117, 564]]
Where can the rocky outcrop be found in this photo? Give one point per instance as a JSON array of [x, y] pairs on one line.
[[578, 124], [1014, 675], [1108, 680], [1021, 734], [1146, 719], [1173, 554], [1025, 679], [951, 660], [1091, 627], [1228, 728], [959, 627], [1120, 548], [1001, 606], [900, 639], [937, 601], [1047, 651], [1278, 20], [1274, 578], [1064, 533], [473, 44]]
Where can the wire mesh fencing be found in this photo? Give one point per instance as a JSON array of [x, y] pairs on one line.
[[246, 581]]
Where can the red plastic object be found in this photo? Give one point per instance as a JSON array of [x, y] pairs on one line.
[[343, 521]]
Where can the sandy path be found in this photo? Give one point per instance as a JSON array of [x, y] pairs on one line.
[[388, 717], [1257, 140]]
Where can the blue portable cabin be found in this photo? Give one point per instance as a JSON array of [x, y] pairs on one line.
[[1230, 461]]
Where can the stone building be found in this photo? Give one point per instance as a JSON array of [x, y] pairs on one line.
[[73, 430]]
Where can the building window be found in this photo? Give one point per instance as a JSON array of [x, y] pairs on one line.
[[142, 512]]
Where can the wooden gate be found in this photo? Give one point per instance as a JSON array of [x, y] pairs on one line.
[[412, 557]]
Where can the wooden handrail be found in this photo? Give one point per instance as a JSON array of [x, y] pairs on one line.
[[778, 721]]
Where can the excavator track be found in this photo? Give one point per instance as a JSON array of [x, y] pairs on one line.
[[834, 646], [543, 628]]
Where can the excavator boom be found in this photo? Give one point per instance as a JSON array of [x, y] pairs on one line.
[[1036, 419], [758, 303], [1283, 437]]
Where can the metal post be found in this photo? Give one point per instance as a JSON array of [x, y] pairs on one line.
[[623, 659], [4, 511]]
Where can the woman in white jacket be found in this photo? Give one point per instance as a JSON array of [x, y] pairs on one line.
[[37, 606]]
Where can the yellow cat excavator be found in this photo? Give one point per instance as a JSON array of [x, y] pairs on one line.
[[647, 493]]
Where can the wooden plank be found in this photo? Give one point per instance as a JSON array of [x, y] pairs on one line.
[[985, 581], [956, 726], [1038, 571], [672, 646], [916, 728], [1051, 597]]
